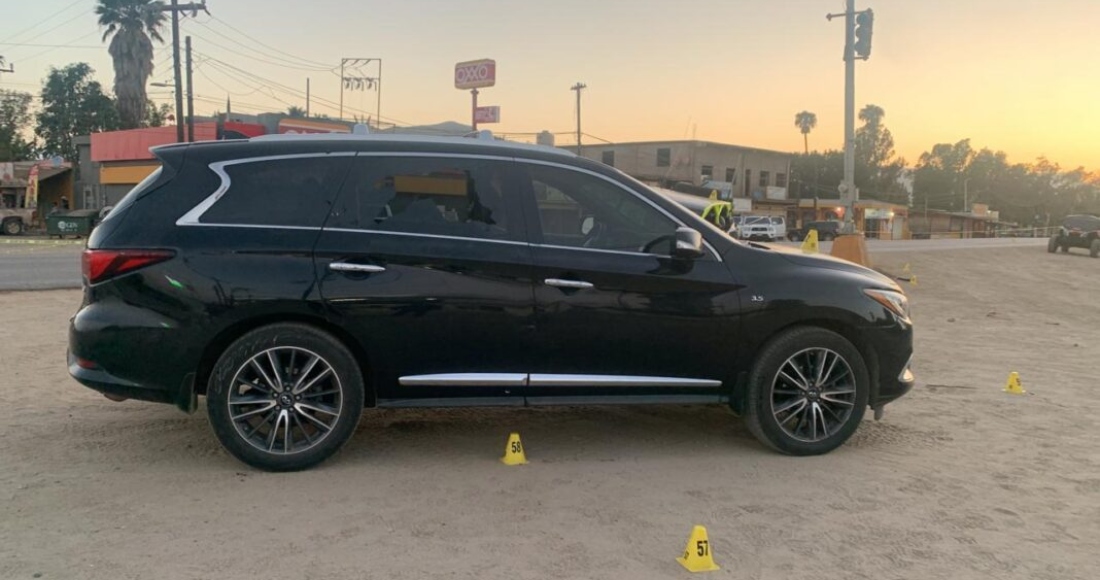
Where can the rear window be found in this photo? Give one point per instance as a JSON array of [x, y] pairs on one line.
[[293, 191], [134, 193]]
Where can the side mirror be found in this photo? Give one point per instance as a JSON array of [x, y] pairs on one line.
[[688, 244], [587, 225]]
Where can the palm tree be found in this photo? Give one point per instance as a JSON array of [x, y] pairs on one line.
[[872, 115], [805, 121], [296, 112], [135, 24]]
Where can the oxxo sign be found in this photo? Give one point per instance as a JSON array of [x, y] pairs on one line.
[[476, 74]]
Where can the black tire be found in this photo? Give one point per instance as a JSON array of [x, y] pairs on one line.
[[1052, 245], [763, 398], [292, 344], [1064, 248], [13, 227], [1094, 248], [796, 238]]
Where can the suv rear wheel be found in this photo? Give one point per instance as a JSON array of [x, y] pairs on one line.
[[285, 397], [807, 393], [13, 227]]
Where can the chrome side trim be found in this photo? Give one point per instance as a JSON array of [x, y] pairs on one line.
[[465, 380], [573, 284], [348, 267], [430, 236], [191, 218], [550, 380], [713, 251], [421, 154]]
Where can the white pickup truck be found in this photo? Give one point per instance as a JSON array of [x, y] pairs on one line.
[[14, 220], [761, 227]]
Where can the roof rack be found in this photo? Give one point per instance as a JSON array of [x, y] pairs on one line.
[[484, 137]]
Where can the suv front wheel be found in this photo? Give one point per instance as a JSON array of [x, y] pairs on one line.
[[807, 393], [1052, 245], [285, 397]]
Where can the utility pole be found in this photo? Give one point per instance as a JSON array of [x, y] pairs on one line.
[[360, 82], [849, 192], [307, 97], [175, 8], [190, 97], [578, 87], [176, 67], [857, 45]]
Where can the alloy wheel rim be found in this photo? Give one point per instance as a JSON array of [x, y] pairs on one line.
[[813, 394], [285, 400]]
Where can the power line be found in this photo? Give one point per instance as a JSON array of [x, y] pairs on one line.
[[268, 60], [45, 20], [45, 32], [269, 47], [49, 50]]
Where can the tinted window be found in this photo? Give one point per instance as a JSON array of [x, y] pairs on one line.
[[278, 192], [620, 220], [426, 195]]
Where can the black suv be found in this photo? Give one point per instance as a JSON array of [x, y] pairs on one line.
[[826, 231], [295, 280], [1077, 231]]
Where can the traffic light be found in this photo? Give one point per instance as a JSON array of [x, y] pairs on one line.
[[865, 22]]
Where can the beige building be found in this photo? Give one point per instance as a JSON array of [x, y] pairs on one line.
[[735, 171]]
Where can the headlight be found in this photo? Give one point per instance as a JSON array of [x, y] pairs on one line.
[[896, 302]]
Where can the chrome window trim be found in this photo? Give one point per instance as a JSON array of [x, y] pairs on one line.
[[191, 218], [465, 380], [550, 380], [598, 250], [713, 251]]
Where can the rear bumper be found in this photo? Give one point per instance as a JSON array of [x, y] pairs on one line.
[[128, 352]]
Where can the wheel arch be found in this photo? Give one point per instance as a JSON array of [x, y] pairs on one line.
[[217, 346], [845, 329]]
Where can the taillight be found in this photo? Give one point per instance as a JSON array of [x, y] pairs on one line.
[[100, 265]]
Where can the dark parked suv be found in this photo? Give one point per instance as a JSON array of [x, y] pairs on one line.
[[1077, 231], [826, 231], [295, 280]]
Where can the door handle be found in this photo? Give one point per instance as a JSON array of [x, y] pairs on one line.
[[350, 267], [572, 284]]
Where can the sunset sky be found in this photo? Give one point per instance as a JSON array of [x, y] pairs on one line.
[[1016, 75]]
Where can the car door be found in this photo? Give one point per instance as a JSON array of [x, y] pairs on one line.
[[616, 315], [424, 261]]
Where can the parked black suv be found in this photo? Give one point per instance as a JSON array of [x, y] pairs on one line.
[[1077, 231], [826, 231], [294, 280]]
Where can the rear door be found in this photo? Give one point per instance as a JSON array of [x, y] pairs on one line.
[[424, 261], [616, 315]]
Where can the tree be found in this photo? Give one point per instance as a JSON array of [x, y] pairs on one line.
[[15, 118], [296, 112], [157, 116], [72, 104], [805, 121], [877, 169], [939, 177], [134, 24]]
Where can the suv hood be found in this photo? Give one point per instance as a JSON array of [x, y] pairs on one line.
[[828, 262]]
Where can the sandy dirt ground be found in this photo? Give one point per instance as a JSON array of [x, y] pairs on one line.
[[958, 481]]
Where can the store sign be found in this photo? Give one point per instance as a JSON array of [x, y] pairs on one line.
[[487, 115], [476, 74]]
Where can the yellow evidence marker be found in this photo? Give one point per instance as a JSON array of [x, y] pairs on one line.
[[513, 451], [697, 556]]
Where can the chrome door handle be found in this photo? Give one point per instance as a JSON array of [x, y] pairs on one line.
[[349, 267], [573, 284]]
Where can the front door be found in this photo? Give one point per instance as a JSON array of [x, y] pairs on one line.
[[424, 261], [616, 315]]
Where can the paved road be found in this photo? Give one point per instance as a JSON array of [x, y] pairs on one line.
[[31, 264], [36, 264]]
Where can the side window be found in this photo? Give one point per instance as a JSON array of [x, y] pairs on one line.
[[279, 192], [584, 211], [426, 195]]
